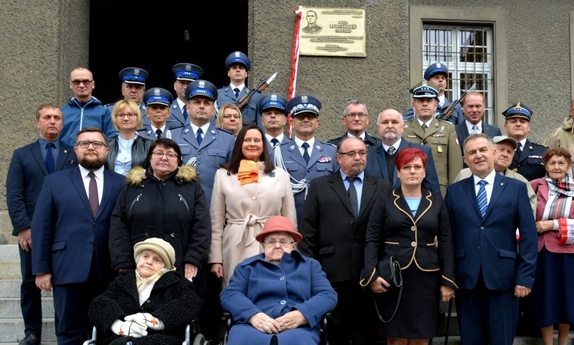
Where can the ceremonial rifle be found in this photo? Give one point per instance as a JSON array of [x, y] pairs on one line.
[[264, 84], [450, 109]]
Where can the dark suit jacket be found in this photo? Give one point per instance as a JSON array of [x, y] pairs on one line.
[[370, 142], [331, 232], [462, 134], [25, 177], [393, 230], [66, 234], [377, 166], [488, 244]]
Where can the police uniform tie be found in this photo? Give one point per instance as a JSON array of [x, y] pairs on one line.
[[199, 136], [352, 191], [236, 90], [391, 150], [158, 133], [185, 113], [49, 158], [275, 142], [481, 197], [474, 130], [306, 152], [93, 193]]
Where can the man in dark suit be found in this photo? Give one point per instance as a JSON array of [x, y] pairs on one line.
[[382, 161], [28, 167], [473, 109], [333, 225], [494, 267], [71, 225], [527, 158], [356, 120]]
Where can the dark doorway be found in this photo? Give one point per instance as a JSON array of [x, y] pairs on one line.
[[156, 35]]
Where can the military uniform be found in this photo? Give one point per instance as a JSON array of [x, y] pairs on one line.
[[134, 75], [527, 161], [441, 138], [184, 72], [250, 112]]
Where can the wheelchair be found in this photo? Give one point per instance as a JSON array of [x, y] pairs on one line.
[[191, 331], [322, 332]]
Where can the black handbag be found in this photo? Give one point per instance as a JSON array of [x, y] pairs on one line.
[[390, 270]]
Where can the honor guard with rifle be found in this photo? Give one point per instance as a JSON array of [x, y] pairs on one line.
[[527, 159], [238, 66], [438, 135], [437, 73]]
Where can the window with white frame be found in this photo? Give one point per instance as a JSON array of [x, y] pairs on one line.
[[467, 51]]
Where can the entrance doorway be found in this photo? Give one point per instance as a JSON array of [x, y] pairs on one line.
[[128, 33]]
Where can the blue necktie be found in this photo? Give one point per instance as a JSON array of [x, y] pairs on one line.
[[185, 114], [236, 90], [49, 158], [199, 137], [274, 141], [481, 197], [306, 152], [158, 133]]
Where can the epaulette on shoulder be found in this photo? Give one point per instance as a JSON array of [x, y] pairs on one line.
[[328, 144], [442, 122], [538, 144], [224, 130]]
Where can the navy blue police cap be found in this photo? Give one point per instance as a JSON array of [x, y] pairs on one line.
[[273, 101], [238, 57], [303, 104], [434, 69], [201, 88], [425, 89], [134, 75], [518, 110], [158, 95], [187, 71]]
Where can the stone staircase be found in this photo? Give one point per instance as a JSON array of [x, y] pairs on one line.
[[11, 323]]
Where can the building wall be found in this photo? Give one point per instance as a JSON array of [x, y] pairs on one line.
[[40, 42], [43, 40]]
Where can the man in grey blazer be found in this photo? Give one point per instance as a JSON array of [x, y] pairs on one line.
[[333, 224], [473, 109]]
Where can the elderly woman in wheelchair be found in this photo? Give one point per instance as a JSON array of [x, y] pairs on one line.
[[151, 306], [278, 296]]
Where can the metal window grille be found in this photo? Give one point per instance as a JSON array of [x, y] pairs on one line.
[[467, 51]]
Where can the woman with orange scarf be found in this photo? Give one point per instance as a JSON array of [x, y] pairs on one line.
[[246, 192]]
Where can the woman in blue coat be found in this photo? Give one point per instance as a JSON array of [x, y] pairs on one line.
[[278, 296]]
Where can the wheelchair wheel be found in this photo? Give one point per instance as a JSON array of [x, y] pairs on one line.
[[200, 340]]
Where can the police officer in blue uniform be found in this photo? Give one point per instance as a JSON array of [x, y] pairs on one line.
[[437, 73], [306, 158], [273, 120], [202, 144], [185, 73], [133, 87], [527, 159], [238, 66], [157, 101]]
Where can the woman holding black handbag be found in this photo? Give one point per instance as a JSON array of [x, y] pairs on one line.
[[409, 225]]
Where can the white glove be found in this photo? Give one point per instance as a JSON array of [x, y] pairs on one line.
[[129, 329], [147, 320]]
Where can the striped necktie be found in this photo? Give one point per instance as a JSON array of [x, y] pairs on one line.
[[482, 198]]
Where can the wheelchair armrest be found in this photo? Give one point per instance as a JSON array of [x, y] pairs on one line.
[[91, 341]]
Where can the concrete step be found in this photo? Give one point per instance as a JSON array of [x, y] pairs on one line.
[[9, 262], [10, 308], [455, 340], [12, 330], [11, 288]]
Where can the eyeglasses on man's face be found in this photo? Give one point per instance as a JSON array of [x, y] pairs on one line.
[[85, 144], [161, 154], [353, 115], [83, 81]]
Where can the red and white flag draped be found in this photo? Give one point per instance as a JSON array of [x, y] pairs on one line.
[[294, 63]]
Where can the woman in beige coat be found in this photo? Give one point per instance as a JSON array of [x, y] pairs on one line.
[[246, 192]]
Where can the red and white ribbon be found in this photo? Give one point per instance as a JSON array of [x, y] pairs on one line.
[[294, 62]]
